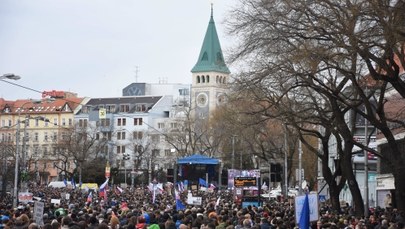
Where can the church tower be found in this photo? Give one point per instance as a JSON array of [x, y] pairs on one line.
[[210, 75]]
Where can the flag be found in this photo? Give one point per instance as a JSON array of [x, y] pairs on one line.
[[264, 186], [103, 190], [90, 197], [202, 182], [212, 186], [179, 204], [65, 181], [217, 202], [180, 186], [73, 183], [304, 218], [118, 190]]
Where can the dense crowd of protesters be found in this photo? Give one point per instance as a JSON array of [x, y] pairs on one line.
[[139, 208]]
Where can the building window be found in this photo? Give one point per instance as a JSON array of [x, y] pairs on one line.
[[65, 136], [63, 122], [120, 149], [110, 108], [184, 91], [140, 107], [55, 121], [121, 135], [137, 121], [36, 122], [155, 152], [45, 136], [138, 135], [168, 153], [54, 136], [45, 149], [107, 135], [36, 150], [83, 123], [124, 108], [122, 122], [9, 122], [105, 122], [36, 137], [161, 125], [71, 122]]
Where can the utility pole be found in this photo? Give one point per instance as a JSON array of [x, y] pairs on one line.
[[300, 167], [365, 161], [285, 162], [233, 151], [17, 157]]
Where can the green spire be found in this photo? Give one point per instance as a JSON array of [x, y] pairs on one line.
[[211, 57]]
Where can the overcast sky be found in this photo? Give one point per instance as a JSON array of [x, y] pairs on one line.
[[93, 47]]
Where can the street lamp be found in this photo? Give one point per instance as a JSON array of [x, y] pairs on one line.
[[10, 76], [17, 151]]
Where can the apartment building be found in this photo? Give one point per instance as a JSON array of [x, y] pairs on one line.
[[36, 127]]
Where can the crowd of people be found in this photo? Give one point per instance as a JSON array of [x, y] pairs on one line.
[[140, 208]]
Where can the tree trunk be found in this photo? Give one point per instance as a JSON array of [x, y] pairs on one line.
[[347, 171], [334, 190], [399, 197]]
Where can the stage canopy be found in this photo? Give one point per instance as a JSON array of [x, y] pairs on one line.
[[198, 159]]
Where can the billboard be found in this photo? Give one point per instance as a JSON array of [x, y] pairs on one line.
[[234, 173]]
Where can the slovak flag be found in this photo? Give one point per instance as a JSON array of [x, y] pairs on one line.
[[118, 190], [90, 197], [102, 192]]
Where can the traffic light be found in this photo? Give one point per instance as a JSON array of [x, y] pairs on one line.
[[125, 156]]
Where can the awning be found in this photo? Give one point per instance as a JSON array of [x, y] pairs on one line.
[[198, 159]]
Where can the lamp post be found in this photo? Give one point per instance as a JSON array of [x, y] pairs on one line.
[[17, 143], [10, 76], [285, 163], [233, 151], [17, 156]]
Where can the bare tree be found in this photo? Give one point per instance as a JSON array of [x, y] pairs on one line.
[[188, 135], [324, 48], [80, 144]]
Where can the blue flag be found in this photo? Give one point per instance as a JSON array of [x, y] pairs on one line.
[[202, 182], [304, 217], [179, 204], [65, 181], [73, 183]]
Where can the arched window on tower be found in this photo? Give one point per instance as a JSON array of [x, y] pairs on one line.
[[224, 80], [198, 79], [208, 78], [202, 79], [217, 78], [220, 79]]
